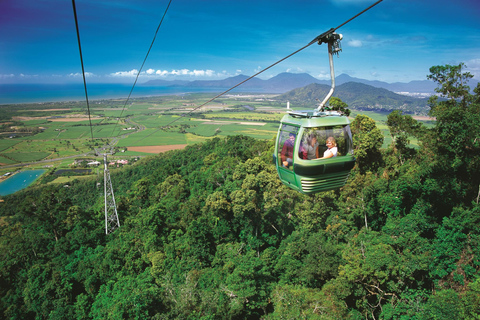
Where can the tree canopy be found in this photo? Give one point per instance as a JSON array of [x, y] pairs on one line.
[[210, 232]]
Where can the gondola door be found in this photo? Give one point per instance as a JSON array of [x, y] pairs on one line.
[[285, 155]]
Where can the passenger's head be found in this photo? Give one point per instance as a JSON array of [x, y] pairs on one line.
[[331, 142], [312, 139]]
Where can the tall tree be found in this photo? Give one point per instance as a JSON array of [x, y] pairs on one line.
[[368, 140], [338, 105], [456, 136], [401, 127]]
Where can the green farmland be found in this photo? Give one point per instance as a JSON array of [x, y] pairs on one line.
[[65, 132]]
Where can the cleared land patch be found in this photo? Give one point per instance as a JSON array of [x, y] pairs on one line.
[[423, 118], [221, 122], [157, 149], [42, 110], [68, 119]]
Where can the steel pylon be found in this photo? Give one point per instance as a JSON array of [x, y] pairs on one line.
[[111, 216]]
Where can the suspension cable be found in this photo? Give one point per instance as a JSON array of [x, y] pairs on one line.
[[319, 39], [144, 60], [83, 69]]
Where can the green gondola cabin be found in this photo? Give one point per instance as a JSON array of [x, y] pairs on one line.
[[304, 173]]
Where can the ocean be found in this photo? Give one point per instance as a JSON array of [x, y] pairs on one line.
[[34, 93]]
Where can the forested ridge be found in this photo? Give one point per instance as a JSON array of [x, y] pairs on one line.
[[210, 232], [358, 96]]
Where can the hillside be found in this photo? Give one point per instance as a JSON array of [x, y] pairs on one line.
[[210, 232], [358, 96]]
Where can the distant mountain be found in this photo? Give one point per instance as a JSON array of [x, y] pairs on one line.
[[278, 84], [358, 96], [227, 83], [287, 81], [284, 82], [416, 86]]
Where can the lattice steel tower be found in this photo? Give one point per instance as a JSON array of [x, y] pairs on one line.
[[111, 216]]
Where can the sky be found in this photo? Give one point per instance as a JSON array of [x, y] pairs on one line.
[[395, 41]]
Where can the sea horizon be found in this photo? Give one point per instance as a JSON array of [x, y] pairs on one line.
[[45, 93]]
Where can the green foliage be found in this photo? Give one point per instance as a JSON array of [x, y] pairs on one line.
[[455, 136], [210, 232], [367, 140], [401, 127], [339, 105], [26, 157]]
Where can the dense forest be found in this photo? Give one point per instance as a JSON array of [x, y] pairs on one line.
[[210, 232]]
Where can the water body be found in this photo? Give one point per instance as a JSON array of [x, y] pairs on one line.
[[19, 181], [32, 93]]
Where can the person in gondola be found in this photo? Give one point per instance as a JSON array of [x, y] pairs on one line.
[[311, 149], [332, 148], [287, 151]]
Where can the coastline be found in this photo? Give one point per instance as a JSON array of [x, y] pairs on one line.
[[46, 93]]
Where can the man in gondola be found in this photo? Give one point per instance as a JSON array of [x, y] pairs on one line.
[[287, 150]]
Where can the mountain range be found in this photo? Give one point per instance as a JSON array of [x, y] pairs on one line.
[[358, 96], [285, 81], [303, 90]]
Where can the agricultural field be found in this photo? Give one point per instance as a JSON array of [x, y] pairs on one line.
[[141, 127]]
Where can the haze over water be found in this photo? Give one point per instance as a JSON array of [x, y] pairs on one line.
[[33, 93]]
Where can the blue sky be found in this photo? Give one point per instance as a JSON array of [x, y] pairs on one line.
[[398, 40]]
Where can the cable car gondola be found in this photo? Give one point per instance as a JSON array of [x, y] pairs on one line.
[[310, 167]]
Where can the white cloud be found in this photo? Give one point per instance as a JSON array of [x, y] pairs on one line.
[[131, 73], [174, 73], [198, 73], [207, 73], [295, 70], [180, 72], [324, 75], [355, 43], [79, 75], [161, 73]]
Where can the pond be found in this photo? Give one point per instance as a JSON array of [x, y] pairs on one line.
[[19, 181]]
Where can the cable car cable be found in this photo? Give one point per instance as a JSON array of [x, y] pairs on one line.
[[144, 60], [83, 69], [319, 39]]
